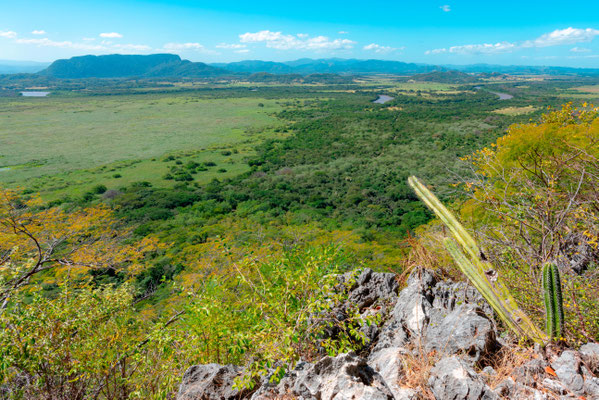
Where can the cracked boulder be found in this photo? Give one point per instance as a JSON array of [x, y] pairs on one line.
[[210, 381], [344, 377], [452, 378], [449, 318]]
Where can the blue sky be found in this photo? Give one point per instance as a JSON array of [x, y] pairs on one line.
[[434, 32]]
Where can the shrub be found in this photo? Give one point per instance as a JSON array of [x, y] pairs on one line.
[[183, 176], [99, 189], [192, 165]]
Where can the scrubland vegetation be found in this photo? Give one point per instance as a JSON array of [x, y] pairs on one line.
[[218, 237]]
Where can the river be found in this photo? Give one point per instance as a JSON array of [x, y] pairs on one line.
[[35, 94], [383, 99]]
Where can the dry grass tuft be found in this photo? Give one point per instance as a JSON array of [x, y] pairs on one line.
[[416, 367], [507, 361], [423, 255]]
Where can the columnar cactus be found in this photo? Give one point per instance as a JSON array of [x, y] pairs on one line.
[[554, 310], [480, 272]]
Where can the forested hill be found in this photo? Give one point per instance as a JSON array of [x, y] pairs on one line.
[[170, 65], [124, 66], [330, 65]]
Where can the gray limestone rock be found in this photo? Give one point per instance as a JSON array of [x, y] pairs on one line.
[[452, 378], [344, 377], [209, 382], [567, 369]]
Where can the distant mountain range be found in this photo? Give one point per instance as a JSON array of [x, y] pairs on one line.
[[17, 67], [172, 66], [330, 66]]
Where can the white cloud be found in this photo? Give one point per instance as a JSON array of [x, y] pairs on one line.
[[436, 51], [8, 34], [323, 43], [45, 42], [85, 46], [377, 48], [485, 48], [555, 38], [563, 36], [111, 35], [183, 46], [38, 32], [230, 46], [446, 8], [132, 48], [580, 50], [280, 41], [584, 56], [242, 51], [343, 32], [189, 46]]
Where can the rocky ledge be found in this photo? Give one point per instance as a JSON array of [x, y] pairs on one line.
[[438, 340]]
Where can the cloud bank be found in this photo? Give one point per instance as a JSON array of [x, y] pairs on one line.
[[556, 38], [377, 48], [280, 41]]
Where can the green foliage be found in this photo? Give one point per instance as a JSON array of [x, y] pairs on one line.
[[552, 294], [533, 198], [276, 310], [99, 189], [69, 347]]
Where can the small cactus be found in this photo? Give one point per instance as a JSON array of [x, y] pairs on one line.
[[554, 310]]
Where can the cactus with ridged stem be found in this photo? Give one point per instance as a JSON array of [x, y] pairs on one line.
[[480, 272], [552, 293]]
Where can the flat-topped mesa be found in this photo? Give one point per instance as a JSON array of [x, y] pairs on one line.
[[128, 66]]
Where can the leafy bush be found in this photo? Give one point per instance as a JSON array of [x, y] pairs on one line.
[[276, 310], [71, 347], [99, 189], [533, 199]]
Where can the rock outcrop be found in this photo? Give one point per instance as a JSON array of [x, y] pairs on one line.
[[444, 327], [346, 376], [211, 381]]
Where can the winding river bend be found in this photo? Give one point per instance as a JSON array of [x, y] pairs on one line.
[[503, 96], [382, 99]]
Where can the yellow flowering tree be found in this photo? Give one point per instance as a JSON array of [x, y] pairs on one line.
[[535, 198], [37, 241]]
